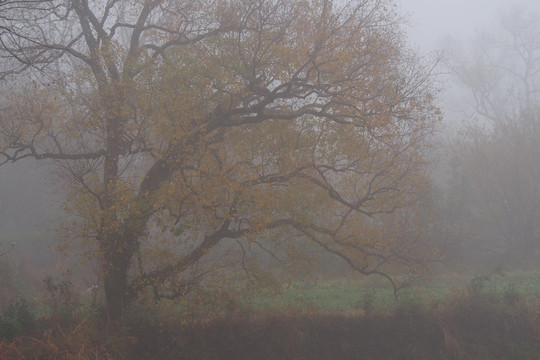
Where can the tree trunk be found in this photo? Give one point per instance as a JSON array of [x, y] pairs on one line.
[[115, 283]]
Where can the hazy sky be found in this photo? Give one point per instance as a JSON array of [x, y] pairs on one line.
[[431, 20]]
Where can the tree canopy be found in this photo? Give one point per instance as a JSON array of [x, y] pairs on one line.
[[178, 126]]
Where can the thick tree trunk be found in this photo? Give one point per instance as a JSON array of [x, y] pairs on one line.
[[114, 262], [115, 283], [119, 244]]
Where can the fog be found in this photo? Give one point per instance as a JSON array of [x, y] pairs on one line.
[[430, 22], [485, 181], [341, 177]]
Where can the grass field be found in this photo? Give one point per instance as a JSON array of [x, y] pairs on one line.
[[360, 295], [477, 317]]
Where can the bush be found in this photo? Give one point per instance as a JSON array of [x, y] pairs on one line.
[[511, 294], [17, 319], [63, 301]]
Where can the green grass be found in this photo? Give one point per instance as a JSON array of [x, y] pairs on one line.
[[328, 296], [448, 317], [356, 295], [348, 296]]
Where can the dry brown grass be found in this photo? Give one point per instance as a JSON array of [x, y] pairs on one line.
[[462, 328], [80, 340]]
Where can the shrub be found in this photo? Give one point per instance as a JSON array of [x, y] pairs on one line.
[[16, 319], [511, 294], [63, 300]]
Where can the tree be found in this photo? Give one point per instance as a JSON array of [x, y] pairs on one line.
[[495, 162], [181, 126], [21, 50]]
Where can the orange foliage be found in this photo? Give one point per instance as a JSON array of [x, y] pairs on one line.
[[260, 124]]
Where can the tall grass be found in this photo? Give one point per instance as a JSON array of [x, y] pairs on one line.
[[494, 316]]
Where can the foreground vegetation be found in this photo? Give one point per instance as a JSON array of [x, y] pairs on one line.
[[494, 316]]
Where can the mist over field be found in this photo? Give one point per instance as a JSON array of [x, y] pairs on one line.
[[273, 178]]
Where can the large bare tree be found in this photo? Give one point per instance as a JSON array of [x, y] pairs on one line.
[[179, 126]]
